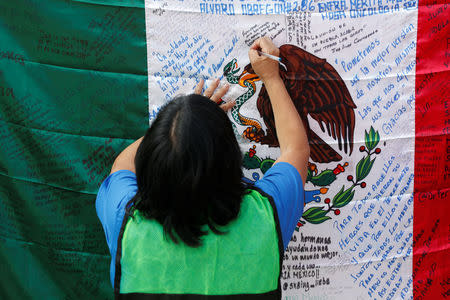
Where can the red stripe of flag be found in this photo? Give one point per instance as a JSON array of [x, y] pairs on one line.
[[431, 250]]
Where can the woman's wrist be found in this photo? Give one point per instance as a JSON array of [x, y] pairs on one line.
[[273, 81]]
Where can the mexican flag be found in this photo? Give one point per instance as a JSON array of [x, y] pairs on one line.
[[80, 80]]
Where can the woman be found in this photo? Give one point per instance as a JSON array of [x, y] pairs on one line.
[[178, 220]]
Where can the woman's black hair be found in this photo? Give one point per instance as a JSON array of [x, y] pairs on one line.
[[188, 169]]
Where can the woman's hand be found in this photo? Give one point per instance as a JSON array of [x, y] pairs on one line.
[[266, 68], [215, 95]]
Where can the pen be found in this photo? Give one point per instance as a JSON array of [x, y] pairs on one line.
[[274, 58]]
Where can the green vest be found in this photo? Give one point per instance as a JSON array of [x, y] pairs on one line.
[[243, 263]]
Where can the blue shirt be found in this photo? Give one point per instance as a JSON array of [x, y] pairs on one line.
[[282, 181]]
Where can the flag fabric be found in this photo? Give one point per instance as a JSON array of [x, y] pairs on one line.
[[70, 73], [81, 80]]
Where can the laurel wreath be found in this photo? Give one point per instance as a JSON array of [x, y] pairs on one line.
[[319, 214]]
